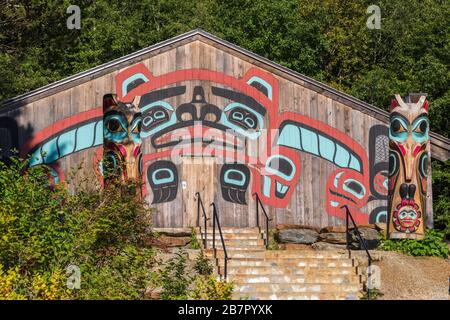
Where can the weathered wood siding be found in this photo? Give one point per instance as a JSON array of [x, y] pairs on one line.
[[308, 203]]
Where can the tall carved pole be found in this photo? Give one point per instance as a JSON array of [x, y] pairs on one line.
[[408, 167], [122, 155]]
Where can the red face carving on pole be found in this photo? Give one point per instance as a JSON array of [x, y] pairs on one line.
[[408, 167]]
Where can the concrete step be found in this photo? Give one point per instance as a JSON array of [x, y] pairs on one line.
[[268, 254], [232, 250], [232, 230], [272, 254], [237, 236], [238, 243], [297, 288], [239, 279], [306, 262], [295, 296], [290, 271]]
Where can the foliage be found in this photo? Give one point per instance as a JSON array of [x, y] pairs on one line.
[[44, 229], [273, 244], [327, 40], [431, 245], [374, 294], [202, 265], [194, 240], [209, 288], [441, 196], [175, 281]]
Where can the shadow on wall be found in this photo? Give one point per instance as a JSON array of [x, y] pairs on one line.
[[10, 134]]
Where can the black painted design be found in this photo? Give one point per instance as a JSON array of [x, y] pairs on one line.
[[162, 176], [234, 180]]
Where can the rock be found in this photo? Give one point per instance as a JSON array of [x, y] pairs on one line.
[[370, 235], [333, 237], [153, 293], [306, 236], [295, 226], [381, 226], [174, 232], [365, 226], [174, 241], [333, 229], [294, 246], [328, 246]]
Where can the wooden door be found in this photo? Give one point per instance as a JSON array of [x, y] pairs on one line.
[[198, 175]]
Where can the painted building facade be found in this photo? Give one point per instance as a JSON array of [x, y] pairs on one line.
[[219, 120]]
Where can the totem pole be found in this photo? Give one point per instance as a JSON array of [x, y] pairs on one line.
[[122, 155], [409, 158]]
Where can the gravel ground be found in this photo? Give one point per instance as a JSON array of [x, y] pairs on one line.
[[413, 278]]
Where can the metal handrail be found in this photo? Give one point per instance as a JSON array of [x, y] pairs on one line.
[[216, 219], [201, 206], [361, 240], [259, 203]]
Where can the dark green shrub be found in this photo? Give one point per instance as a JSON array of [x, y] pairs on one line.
[[43, 230], [202, 265], [432, 245], [175, 281]]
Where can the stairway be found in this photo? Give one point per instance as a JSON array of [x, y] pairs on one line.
[[260, 274]]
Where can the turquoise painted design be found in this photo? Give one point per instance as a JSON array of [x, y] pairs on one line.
[[262, 82], [346, 186], [266, 186], [420, 136], [169, 179], [310, 142], [342, 157], [278, 172], [121, 133], [306, 140], [403, 124], [354, 163], [126, 83], [148, 118], [229, 180], [281, 188], [327, 148], [85, 136], [251, 134]]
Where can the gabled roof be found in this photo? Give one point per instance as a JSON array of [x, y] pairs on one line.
[[440, 144]]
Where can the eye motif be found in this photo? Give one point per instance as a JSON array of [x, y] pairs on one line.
[[243, 118], [399, 129], [155, 117], [420, 129]]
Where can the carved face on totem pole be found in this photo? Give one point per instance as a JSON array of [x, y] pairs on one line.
[[408, 167], [122, 155]]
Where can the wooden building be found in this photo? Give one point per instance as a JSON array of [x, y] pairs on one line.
[[221, 121]]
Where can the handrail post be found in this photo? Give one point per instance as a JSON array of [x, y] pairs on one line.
[[361, 241], [205, 239], [214, 228], [257, 210]]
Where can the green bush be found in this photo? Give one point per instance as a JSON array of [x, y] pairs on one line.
[[209, 288], [44, 229], [175, 281], [202, 265], [194, 240], [441, 196], [432, 245]]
